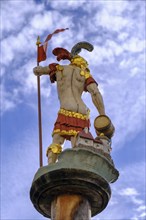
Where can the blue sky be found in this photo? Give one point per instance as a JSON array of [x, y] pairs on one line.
[[117, 31]]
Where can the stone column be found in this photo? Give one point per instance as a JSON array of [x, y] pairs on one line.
[[70, 207]]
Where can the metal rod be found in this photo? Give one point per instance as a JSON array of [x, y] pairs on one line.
[[39, 122], [39, 112]]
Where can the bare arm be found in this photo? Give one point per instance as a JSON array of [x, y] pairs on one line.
[[39, 70], [96, 98]]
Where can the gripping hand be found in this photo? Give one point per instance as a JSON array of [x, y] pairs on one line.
[[38, 71]]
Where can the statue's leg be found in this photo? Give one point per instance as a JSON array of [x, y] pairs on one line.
[[55, 148], [73, 141], [58, 139]]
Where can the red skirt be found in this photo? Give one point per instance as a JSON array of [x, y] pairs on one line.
[[68, 126]]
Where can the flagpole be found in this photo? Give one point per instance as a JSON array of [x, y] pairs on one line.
[[39, 109]]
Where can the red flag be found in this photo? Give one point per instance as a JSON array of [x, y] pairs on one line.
[[43, 48], [55, 32], [42, 52]]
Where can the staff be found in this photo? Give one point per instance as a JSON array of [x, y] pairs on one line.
[[41, 56], [39, 108]]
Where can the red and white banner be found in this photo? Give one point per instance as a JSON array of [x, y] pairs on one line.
[[43, 48]]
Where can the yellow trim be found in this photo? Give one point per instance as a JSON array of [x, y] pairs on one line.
[[74, 114], [79, 61], [82, 63], [59, 67], [85, 73], [101, 134], [38, 41], [63, 132], [55, 148]]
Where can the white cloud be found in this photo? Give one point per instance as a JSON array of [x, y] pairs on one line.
[[134, 45], [141, 208], [26, 86], [112, 22], [71, 4], [111, 7], [142, 215], [24, 75], [115, 7], [22, 43], [14, 47], [20, 161], [15, 14], [135, 71], [129, 192], [108, 15], [123, 36], [100, 55], [127, 112], [42, 21], [137, 201], [6, 53], [28, 81], [8, 100], [116, 48], [18, 46]]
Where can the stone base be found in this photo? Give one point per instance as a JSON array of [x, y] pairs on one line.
[[77, 172]]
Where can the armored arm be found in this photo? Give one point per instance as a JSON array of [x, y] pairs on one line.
[[96, 98], [39, 70]]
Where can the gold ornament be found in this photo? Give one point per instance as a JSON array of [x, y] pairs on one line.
[[74, 114], [55, 148]]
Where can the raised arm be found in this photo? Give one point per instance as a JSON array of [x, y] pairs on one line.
[[96, 98], [39, 70]]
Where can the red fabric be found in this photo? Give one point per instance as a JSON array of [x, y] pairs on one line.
[[55, 32], [52, 73], [61, 53], [41, 54], [88, 82], [43, 48], [67, 123]]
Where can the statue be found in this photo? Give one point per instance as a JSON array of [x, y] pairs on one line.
[[75, 183], [72, 80]]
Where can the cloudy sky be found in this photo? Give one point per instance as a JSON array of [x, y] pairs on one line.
[[116, 28]]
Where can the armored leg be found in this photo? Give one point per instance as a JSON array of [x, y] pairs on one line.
[[55, 148]]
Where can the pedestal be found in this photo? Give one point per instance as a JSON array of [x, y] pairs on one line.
[[79, 175]]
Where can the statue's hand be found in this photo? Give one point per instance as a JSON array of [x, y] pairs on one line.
[[38, 71]]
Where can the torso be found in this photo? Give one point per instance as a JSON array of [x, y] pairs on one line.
[[70, 85]]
